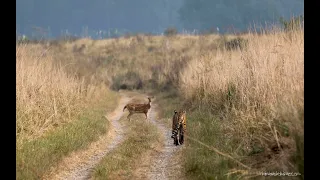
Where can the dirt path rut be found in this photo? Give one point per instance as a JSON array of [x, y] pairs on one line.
[[79, 165], [164, 161]]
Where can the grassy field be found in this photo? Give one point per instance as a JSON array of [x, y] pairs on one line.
[[244, 95], [56, 113], [136, 62], [249, 104]]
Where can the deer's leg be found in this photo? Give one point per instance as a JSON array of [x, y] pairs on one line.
[[130, 114]]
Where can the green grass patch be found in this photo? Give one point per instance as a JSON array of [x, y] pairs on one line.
[[121, 162], [207, 127], [167, 102], [36, 157], [201, 162]]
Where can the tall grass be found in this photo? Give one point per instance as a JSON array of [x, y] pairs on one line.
[[46, 96], [255, 95], [56, 113]]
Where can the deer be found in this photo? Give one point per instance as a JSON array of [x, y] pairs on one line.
[[137, 108]]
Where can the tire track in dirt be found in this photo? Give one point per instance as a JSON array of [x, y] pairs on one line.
[[163, 162], [79, 165]]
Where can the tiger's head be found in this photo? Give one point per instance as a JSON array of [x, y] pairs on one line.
[[180, 116]]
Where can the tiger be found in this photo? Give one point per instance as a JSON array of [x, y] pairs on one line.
[[179, 126]]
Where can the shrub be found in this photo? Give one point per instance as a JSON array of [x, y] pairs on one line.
[[171, 31], [233, 44], [131, 80]]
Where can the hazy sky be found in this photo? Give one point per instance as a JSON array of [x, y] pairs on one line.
[[83, 16]]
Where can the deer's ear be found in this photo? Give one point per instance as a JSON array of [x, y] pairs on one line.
[[175, 111]]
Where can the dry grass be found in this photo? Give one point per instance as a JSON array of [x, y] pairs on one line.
[[256, 95], [246, 102], [56, 113], [137, 62], [46, 96]]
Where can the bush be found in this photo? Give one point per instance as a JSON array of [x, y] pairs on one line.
[[171, 31], [131, 80], [233, 44], [236, 43]]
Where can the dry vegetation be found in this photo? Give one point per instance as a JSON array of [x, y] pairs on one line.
[[243, 95], [56, 112], [135, 62], [255, 97]]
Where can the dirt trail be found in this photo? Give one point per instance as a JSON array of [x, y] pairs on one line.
[[160, 163], [163, 162], [79, 164]]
